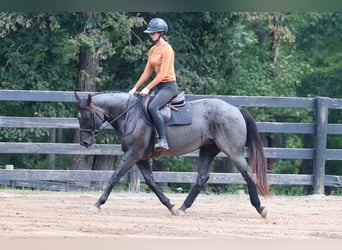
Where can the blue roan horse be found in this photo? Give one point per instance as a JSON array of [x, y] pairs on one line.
[[217, 126]]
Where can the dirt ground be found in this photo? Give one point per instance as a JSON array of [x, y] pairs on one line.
[[141, 216]]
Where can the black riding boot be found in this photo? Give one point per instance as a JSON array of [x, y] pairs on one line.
[[161, 144]]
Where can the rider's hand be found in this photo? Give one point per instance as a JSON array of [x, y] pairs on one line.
[[144, 92], [132, 91]]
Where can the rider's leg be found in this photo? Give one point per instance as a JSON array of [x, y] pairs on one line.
[[162, 143], [166, 91]]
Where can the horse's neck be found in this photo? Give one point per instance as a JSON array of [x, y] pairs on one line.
[[111, 103], [114, 105]]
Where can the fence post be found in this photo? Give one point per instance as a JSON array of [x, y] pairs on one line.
[[134, 180], [322, 107], [11, 182]]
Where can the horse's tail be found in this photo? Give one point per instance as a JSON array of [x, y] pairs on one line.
[[257, 159]]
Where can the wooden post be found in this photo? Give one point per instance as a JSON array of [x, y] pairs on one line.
[[12, 182], [134, 180], [322, 107], [51, 158]]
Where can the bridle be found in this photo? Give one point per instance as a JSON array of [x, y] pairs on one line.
[[93, 131]]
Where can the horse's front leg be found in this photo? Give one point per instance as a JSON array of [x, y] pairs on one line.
[[146, 170], [125, 164]]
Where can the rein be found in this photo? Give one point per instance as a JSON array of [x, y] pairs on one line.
[[95, 131]]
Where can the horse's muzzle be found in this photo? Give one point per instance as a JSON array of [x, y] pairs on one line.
[[85, 144], [87, 140]]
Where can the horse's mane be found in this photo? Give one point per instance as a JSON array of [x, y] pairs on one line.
[[108, 92]]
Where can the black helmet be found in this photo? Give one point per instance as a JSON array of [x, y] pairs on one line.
[[156, 25]]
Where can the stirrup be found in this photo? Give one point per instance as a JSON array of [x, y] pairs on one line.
[[161, 145]]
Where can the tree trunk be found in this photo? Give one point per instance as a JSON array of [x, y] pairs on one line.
[[274, 43], [103, 162], [87, 75], [86, 81]]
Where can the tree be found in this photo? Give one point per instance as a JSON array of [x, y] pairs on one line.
[[35, 53], [319, 46], [43, 51]]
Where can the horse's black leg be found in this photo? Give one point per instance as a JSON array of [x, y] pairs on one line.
[[206, 155], [146, 171], [243, 167], [253, 193], [124, 165]]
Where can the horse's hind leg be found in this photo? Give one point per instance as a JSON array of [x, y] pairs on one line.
[[146, 171], [242, 165], [206, 155]]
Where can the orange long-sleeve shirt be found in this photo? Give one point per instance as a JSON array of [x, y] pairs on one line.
[[161, 60]]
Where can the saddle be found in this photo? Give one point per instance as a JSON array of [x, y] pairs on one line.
[[175, 112]]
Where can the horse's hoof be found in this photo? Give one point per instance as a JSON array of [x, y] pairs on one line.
[[181, 212], [94, 209], [174, 211], [263, 212]]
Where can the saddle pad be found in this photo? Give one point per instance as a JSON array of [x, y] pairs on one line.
[[182, 116]]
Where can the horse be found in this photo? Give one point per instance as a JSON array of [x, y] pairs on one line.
[[216, 126]]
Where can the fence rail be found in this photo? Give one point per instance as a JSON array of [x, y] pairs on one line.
[[319, 154], [159, 176]]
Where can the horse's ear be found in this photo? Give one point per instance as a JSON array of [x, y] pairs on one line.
[[77, 97], [89, 100]]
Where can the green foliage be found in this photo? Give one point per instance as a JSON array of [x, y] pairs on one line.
[[321, 36], [36, 56], [292, 190], [286, 167], [40, 51], [178, 164]]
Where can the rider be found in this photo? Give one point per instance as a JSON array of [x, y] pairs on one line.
[[161, 60]]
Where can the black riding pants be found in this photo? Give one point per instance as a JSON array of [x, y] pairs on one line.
[[165, 91]]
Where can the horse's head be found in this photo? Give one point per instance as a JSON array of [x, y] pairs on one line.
[[90, 120]]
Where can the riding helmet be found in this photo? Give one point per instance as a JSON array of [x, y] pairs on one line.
[[157, 25]]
